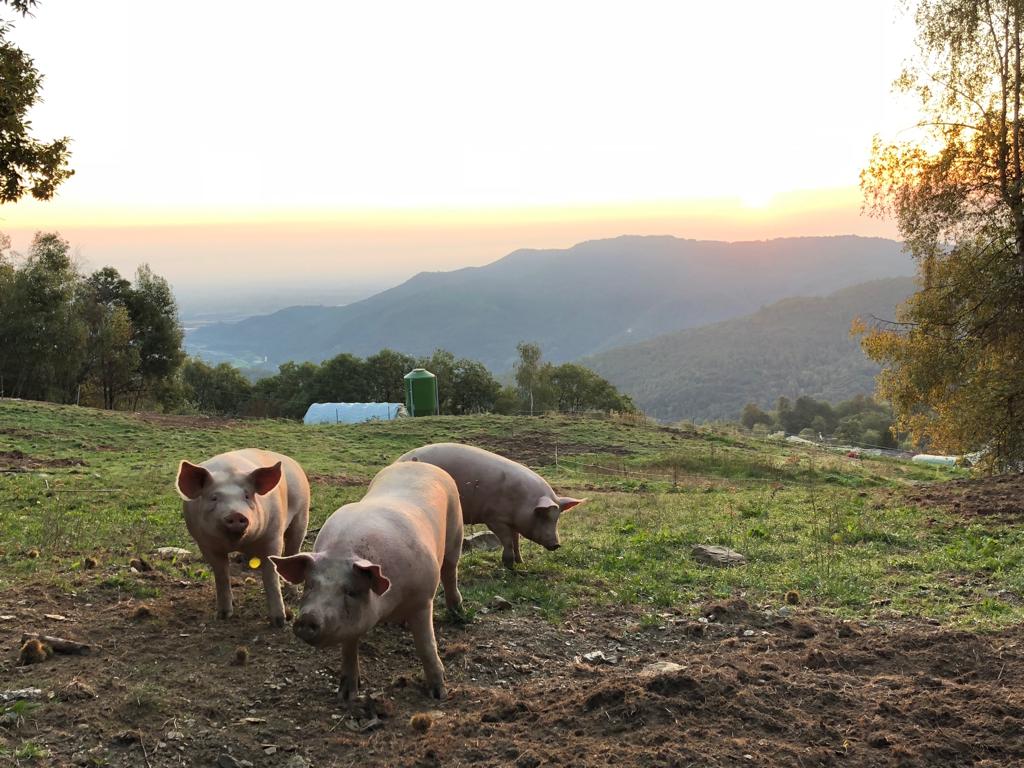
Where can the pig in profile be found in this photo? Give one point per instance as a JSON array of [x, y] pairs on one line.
[[380, 559], [510, 499], [250, 501]]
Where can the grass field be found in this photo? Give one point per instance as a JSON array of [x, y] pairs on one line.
[[82, 483], [871, 667]]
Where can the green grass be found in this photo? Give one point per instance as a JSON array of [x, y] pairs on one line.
[[831, 527]]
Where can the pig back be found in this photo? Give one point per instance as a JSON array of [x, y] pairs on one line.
[[491, 487]]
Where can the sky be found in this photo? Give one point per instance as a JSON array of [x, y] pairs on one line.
[[252, 143]]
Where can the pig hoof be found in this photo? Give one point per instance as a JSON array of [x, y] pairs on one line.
[[347, 691], [437, 691]]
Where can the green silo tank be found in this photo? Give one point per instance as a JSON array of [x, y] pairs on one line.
[[421, 393]]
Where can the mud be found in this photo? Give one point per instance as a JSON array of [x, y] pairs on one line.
[[16, 461], [1000, 496], [754, 687]]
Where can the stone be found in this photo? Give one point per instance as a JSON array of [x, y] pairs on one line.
[[174, 553], [661, 668], [713, 554], [482, 541]]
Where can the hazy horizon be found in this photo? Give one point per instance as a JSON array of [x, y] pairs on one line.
[[375, 144]]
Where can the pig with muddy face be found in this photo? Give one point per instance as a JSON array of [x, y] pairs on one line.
[[250, 501], [510, 499], [380, 560]]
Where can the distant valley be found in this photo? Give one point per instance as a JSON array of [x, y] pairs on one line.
[[574, 302]]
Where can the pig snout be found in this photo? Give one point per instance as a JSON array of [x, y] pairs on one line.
[[308, 627], [236, 523], [552, 547]]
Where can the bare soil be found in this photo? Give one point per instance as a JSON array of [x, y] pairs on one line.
[[536, 449], [163, 686], [1000, 496], [181, 420], [16, 461]]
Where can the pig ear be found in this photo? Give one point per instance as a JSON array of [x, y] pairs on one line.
[[265, 479], [293, 569], [191, 479], [568, 502], [545, 502], [379, 583]]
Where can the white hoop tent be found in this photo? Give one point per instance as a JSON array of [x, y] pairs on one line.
[[352, 413]]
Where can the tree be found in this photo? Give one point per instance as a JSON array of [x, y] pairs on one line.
[[342, 379], [753, 415], [385, 372], [42, 335], [952, 362], [527, 370], [27, 165], [156, 332], [474, 389], [221, 390]]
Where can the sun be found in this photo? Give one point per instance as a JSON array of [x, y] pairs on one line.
[[756, 197]]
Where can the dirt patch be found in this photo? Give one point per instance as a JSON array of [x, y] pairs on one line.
[[754, 688], [174, 420], [537, 449], [340, 481], [16, 461], [998, 496]]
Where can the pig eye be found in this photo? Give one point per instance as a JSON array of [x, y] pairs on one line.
[[351, 593], [213, 497]]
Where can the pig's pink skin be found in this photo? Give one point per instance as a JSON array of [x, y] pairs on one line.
[[380, 560], [508, 498], [277, 519]]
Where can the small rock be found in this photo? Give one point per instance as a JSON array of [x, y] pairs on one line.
[[55, 617], [499, 603], [141, 566], [599, 657], [270, 749], [712, 554], [661, 668], [227, 761], [174, 553], [483, 541], [297, 761], [748, 633], [21, 693]]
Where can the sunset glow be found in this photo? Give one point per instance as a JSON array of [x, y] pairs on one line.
[[352, 137]]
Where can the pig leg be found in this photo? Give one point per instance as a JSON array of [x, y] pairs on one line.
[[348, 681], [422, 626], [450, 581], [272, 588], [515, 547], [222, 580], [507, 537]]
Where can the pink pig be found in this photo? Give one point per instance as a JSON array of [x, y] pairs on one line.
[[380, 560], [250, 501], [508, 498]]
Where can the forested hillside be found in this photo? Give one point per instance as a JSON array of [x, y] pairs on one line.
[[799, 346]]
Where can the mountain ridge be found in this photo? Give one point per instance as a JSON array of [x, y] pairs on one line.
[[576, 301]]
